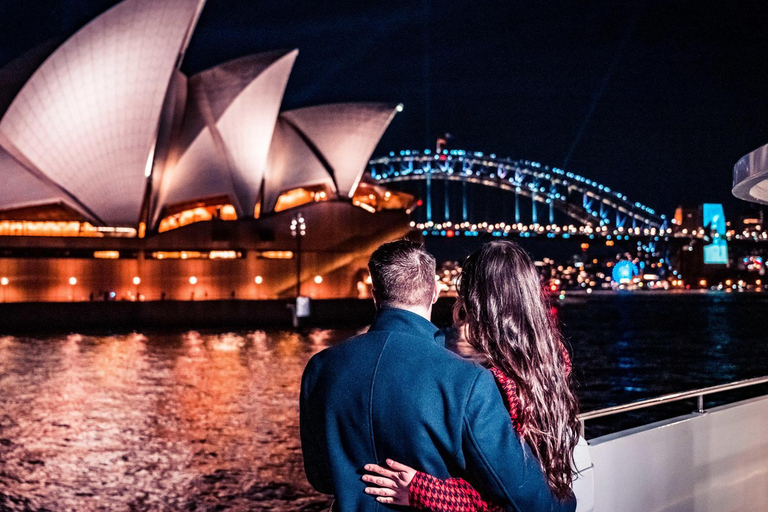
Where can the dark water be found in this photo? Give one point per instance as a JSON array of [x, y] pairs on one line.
[[209, 421]]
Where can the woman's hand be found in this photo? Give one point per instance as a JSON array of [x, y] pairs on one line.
[[391, 485]]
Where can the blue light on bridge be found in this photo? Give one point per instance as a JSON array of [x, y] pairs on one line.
[[522, 178]]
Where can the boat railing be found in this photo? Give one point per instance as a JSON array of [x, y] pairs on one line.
[[698, 394]]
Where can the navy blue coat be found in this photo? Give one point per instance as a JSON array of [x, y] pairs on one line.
[[396, 392]]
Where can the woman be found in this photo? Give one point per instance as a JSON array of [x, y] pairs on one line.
[[505, 316]]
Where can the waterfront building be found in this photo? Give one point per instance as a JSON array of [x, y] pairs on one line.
[[123, 178]]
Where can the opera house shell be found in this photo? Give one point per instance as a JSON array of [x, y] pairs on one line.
[[123, 178]]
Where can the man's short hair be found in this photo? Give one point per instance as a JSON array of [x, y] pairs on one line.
[[402, 274]]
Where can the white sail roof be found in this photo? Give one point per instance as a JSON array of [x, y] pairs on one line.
[[22, 189], [87, 119], [231, 115], [292, 164], [345, 135], [14, 75]]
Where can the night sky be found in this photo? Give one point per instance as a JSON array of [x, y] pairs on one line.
[[656, 99]]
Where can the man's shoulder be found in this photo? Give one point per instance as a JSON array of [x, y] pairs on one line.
[[405, 340], [349, 348], [432, 360], [356, 343]]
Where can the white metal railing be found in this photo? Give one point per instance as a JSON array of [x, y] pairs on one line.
[[672, 397]]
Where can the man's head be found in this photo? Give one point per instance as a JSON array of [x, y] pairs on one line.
[[403, 276]]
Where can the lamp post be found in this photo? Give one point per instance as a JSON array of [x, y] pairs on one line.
[[192, 282], [258, 280], [4, 282], [72, 283], [136, 283], [298, 230]]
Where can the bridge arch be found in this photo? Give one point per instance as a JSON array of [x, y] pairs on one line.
[[585, 201]]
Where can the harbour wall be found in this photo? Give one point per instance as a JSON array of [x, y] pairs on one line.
[[120, 316]]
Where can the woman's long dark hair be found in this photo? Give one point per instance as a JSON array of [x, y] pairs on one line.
[[507, 318]]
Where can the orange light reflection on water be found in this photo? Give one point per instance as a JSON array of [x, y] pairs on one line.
[[155, 421]]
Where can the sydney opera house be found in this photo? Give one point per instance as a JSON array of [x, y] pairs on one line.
[[123, 178]]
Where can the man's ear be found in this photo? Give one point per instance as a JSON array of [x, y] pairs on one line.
[[436, 292], [373, 296]]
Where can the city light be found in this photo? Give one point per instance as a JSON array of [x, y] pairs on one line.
[[193, 280], [298, 226], [73, 281], [258, 280], [4, 281], [136, 281], [298, 231], [275, 255], [106, 255], [223, 255], [318, 279]]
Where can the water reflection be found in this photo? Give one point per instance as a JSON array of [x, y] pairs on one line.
[[137, 422], [630, 347], [207, 421]]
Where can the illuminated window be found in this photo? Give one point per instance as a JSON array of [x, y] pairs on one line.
[[228, 212], [49, 228], [106, 255], [52, 220], [197, 211], [176, 255], [374, 198], [275, 255], [223, 255], [300, 196], [196, 255]]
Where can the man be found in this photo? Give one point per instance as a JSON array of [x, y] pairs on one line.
[[396, 392]]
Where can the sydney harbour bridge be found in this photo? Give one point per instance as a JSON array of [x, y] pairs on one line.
[[467, 193]]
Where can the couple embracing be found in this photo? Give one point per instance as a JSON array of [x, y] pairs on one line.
[[391, 419]]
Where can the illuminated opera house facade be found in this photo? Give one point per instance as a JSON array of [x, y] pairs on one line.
[[123, 178]]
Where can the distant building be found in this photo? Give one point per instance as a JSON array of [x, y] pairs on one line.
[[124, 178], [688, 218], [753, 219]]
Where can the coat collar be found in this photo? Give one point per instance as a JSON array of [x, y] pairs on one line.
[[394, 319]]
